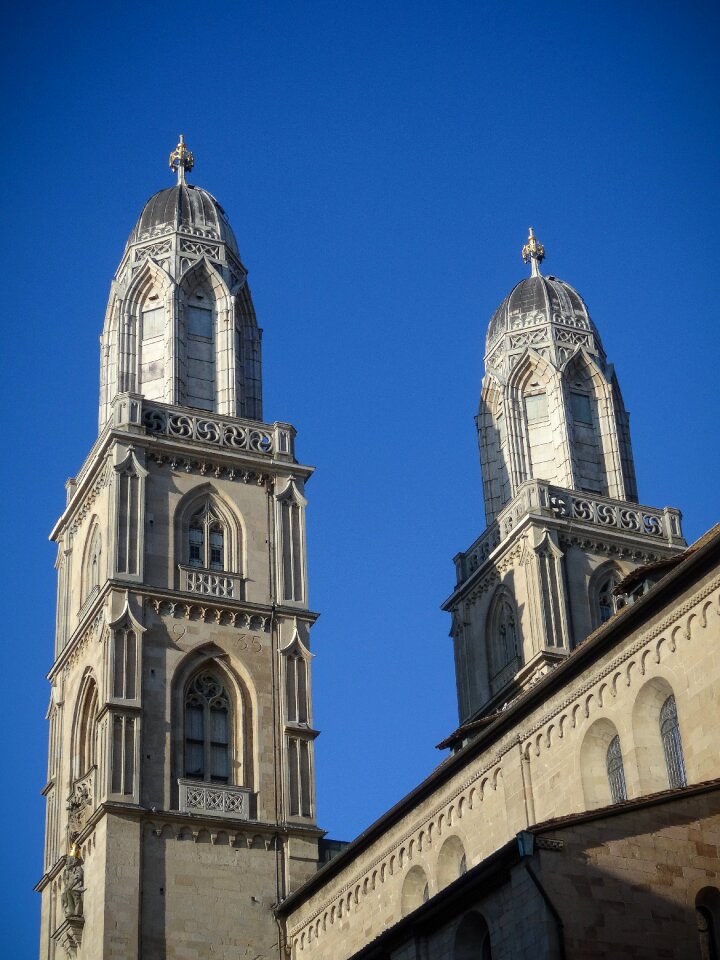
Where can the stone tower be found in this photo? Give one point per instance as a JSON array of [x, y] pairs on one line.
[[180, 794], [564, 525]]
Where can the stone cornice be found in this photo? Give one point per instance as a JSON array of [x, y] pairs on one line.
[[189, 606]]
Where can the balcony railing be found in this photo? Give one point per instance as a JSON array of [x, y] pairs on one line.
[[214, 799], [232, 433], [210, 584], [543, 499]]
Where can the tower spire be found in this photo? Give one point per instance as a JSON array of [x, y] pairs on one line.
[[534, 253], [181, 159]]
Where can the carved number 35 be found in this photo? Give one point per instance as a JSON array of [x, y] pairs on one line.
[[249, 643]]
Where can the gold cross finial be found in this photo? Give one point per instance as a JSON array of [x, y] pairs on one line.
[[533, 252], [181, 159]]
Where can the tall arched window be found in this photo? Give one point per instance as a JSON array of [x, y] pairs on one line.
[[207, 729], [503, 641], [86, 729], [206, 540], [672, 745], [616, 771], [92, 564]]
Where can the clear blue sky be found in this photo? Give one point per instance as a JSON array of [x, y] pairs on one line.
[[380, 163]]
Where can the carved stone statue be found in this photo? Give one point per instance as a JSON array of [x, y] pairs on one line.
[[73, 879]]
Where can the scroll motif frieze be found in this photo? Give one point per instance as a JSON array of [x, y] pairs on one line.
[[540, 498], [643, 521], [184, 426]]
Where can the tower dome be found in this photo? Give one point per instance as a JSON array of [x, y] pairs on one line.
[[543, 312], [551, 407], [180, 326], [184, 209]]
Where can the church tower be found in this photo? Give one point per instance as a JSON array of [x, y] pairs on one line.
[[180, 794], [563, 522]]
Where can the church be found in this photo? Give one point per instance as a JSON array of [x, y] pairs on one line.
[[576, 812]]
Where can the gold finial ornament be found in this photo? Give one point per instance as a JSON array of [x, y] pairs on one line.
[[74, 851], [181, 159], [533, 252]]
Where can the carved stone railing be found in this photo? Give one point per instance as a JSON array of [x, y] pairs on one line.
[[543, 499], [210, 584], [214, 799], [601, 511], [230, 432]]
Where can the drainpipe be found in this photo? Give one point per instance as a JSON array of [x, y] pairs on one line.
[[526, 848]]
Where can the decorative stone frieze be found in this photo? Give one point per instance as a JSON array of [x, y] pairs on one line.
[[209, 614]]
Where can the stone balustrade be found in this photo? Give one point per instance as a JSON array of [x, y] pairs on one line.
[[209, 583], [233, 433], [214, 799], [544, 499]]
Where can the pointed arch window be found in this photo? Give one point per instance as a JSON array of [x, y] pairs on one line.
[[93, 561], [86, 730], [207, 729], [503, 641], [672, 744], [207, 540], [615, 771]]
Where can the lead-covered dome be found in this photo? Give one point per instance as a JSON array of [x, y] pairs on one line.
[[538, 300], [542, 314], [184, 208]]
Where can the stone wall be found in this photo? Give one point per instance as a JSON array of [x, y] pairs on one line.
[[537, 766]]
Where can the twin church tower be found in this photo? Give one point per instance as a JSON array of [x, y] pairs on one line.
[[180, 793]]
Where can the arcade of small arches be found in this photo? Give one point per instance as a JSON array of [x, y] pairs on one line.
[[648, 756], [422, 876]]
